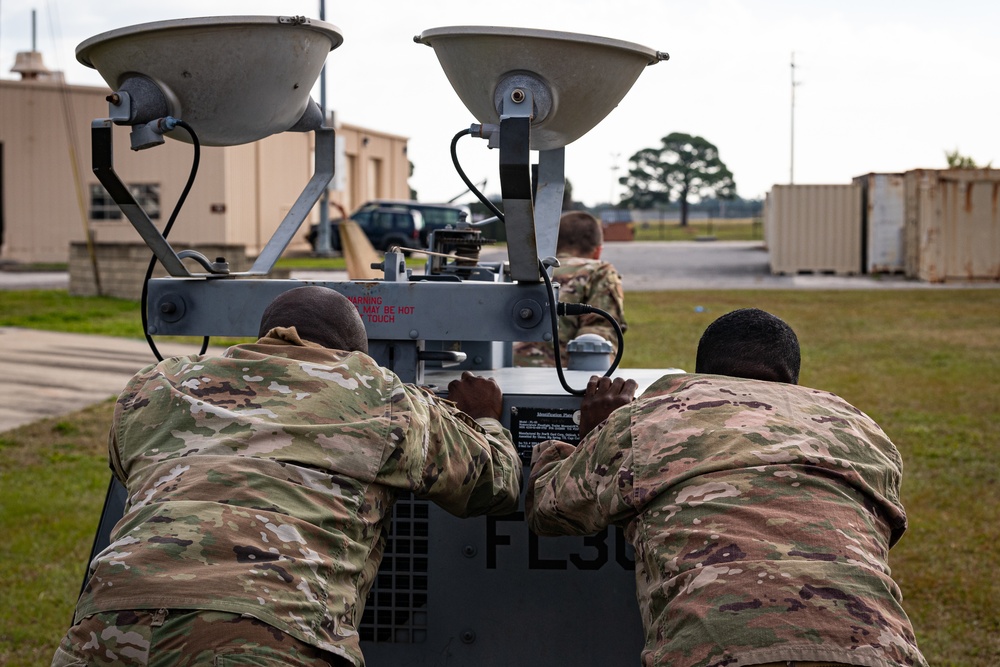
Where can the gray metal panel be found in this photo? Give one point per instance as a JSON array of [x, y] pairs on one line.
[[495, 594], [549, 200], [469, 310], [498, 595]]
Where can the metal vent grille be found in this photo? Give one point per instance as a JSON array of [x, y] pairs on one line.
[[396, 610]]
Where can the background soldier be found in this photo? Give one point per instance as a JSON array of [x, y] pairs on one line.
[[583, 278], [761, 512], [259, 486]]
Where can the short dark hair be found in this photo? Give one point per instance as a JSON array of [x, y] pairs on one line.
[[750, 343], [579, 233], [320, 315]]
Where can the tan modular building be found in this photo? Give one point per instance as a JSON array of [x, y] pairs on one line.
[[49, 196]]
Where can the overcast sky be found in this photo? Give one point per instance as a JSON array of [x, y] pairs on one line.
[[884, 86]]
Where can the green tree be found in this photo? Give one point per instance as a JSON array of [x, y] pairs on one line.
[[684, 167], [958, 161]]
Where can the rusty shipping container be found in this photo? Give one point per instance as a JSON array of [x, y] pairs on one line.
[[953, 224], [883, 218], [814, 229]]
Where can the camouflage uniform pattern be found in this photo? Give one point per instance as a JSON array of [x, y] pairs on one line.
[[184, 639], [260, 482], [761, 514], [588, 281]]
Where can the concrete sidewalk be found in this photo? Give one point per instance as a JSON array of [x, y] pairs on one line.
[[19, 280], [45, 374]]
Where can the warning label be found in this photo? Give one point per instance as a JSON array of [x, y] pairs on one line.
[[530, 426], [372, 309]]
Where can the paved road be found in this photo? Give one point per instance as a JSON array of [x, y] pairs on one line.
[[685, 265], [46, 373]]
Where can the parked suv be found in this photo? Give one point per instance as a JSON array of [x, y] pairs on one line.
[[388, 222]]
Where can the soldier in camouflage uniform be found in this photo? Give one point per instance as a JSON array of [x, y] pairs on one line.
[[761, 512], [260, 484], [583, 278]]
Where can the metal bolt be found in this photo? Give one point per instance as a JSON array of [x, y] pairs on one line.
[[517, 96], [168, 308], [468, 551], [114, 98], [525, 313], [468, 636]]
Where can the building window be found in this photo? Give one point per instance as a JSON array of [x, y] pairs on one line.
[[103, 207], [147, 196]]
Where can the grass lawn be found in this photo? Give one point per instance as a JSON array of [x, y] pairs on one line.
[[53, 478], [310, 263], [722, 229], [923, 363]]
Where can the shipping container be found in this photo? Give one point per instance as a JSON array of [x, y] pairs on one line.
[[883, 218], [814, 229], [953, 224]]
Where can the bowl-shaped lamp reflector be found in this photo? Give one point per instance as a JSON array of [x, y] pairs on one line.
[[587, 76], [234, 79]]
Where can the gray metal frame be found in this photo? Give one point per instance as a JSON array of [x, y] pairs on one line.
[[102, 153]]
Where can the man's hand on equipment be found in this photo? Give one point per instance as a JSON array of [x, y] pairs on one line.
[[602, 397], [476, 396]]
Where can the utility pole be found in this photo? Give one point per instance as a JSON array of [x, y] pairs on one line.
[[614, 177], [323, 245], [791, 165]]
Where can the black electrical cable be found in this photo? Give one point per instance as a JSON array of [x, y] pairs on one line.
[[554, 314], [468, 183], [554, 317], [583, 309], [568, 309], [166, 230]]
